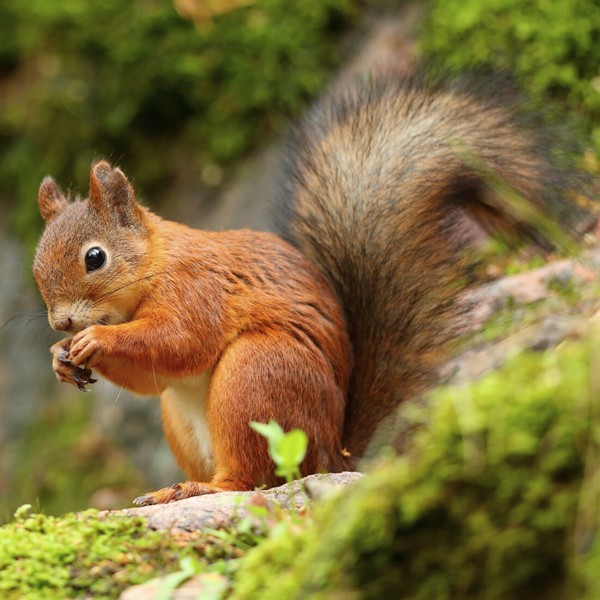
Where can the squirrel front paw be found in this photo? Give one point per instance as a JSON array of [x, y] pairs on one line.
[[86, 349], [64, 369]]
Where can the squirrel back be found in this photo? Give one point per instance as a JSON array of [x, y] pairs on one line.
[[380, 180]]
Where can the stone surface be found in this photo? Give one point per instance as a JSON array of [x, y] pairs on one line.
[[528, 287], [216, 510], [483, 303]]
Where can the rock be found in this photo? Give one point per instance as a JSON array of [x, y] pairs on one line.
[[529, 287], [216, 510]]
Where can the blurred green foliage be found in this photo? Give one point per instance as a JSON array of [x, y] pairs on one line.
[[137, 84], [553, 45], [63, 458], [497, 498]]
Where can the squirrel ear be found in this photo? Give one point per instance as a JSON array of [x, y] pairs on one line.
[[112, 194], [50, 199]]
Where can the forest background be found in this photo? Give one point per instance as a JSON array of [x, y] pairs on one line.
[[191, 99]]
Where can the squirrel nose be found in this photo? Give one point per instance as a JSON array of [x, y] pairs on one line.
[[62, 324]]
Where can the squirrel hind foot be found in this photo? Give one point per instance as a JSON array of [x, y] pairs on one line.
[[178, 491]]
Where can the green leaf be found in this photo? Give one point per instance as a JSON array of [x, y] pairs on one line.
[[274, 434], [293, 448], [286, 449], [271, 430], [259, 511]]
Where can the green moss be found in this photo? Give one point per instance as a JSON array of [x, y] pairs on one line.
[[99, 555], [566, 289], [55, 558], [487, 504]]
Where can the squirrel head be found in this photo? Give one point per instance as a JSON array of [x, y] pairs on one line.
[[93, 254]]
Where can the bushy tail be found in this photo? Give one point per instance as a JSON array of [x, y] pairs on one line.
[[378, 181]]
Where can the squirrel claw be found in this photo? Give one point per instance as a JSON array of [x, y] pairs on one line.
[[147, 500], [77, 378], [163, 496], [64, 358], [87, 374], [82, 377]]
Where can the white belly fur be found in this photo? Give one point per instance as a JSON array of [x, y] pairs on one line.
[[188, 398]]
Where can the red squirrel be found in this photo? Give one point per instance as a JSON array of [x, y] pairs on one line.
[[327, 328]]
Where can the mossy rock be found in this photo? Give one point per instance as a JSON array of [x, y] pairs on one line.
[[496, 499], [49, 558], [99, 555]]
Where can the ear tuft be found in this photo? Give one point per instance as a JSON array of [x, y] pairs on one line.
[[50, 200], [112, 194]]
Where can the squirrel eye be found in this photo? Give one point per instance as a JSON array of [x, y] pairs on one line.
[[94, 259]]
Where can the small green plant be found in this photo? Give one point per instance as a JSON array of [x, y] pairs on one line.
[[286, 449], [171, 582]]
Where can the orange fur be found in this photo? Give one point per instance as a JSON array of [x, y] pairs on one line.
[[240, 314]]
